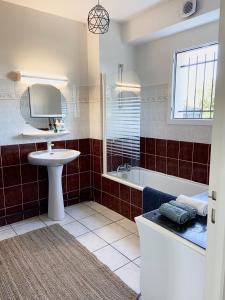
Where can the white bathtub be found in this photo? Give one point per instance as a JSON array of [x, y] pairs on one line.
[[139, 178]]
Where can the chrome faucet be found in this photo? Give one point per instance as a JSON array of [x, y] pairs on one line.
[[124, 168], [49, 146]]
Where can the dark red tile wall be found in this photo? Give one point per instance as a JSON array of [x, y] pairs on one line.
[[183, 159], [120, 158], [24, 188], [118, 197]]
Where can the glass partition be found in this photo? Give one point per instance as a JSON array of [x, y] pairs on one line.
[[122, 131]]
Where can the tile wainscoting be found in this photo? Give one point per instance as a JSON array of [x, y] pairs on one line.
[[24, 188], [118, 197], [182, 159], [117, 152]]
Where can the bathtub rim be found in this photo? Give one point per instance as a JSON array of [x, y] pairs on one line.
[[141, 221], [140, 188]]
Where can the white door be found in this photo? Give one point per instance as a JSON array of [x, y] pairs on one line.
[[214, 288]]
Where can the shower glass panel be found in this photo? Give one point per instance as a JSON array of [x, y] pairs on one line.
[[122, 131]]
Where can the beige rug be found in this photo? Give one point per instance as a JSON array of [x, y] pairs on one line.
[[50, 264]]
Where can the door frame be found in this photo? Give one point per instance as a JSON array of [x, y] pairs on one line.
[[215, 254]]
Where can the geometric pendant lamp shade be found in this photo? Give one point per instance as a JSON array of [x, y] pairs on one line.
[[98, 20]]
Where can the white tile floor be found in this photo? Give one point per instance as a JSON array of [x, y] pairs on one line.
[[112, 238]]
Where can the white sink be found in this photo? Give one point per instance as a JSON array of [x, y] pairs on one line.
[[54, 159]]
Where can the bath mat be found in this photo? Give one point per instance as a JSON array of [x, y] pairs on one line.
[[49, 263]]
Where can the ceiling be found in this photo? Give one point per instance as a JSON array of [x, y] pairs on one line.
[[119, 10]]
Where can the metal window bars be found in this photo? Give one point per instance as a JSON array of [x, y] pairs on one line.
[[199, 92]]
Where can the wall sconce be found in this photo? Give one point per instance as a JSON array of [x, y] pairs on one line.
[[32, 79], [128, 86]]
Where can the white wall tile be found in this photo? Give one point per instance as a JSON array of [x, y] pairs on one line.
[[154, 119]]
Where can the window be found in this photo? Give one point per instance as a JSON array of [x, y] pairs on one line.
[[194, 83]]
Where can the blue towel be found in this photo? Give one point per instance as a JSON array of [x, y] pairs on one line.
[[174, 213], [152, 199], [192, 211]]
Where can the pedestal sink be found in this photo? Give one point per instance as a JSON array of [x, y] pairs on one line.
[[54, 159]]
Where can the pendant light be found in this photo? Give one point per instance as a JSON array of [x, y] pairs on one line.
[[98, 20]]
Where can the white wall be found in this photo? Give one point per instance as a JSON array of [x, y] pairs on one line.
[[41, 43], [154, 65], [105, 52], [95, 103], [166, 19], [114, 51]]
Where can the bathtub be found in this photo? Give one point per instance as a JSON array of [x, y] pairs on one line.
[[139, 178]]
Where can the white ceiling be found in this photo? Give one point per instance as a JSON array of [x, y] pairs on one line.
[[119, 10]]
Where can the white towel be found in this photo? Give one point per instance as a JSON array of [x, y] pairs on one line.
[[201, 206]]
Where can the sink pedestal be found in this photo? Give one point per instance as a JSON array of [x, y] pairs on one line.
[[54, 159], [55, 194]]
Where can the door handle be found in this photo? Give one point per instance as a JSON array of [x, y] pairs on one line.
[[214, 196], [213, 216]]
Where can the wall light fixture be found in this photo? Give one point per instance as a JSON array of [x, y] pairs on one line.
[[128, 86], [35, 78]]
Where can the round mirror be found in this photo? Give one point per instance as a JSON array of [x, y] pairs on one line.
[[41, 105]]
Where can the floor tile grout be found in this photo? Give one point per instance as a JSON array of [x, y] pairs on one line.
[[75, 220], [108, 244], [101, 215], [89, 230], [93, 231], [122, 266], [116, 249], [112, 222]]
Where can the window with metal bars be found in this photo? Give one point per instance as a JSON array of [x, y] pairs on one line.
[[194, 83]]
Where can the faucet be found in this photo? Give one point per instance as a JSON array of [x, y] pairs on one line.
[[124, 168], [49, 146]]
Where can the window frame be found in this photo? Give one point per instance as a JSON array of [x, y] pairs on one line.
[[171, 106]]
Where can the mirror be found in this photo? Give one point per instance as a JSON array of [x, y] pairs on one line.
[[41, 102], [45, 101]]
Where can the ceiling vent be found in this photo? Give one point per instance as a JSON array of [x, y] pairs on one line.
[[189, 8]]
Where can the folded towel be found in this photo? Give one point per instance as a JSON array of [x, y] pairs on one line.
[[200, 205], [152, 199], [192, 211], [174, 213]]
